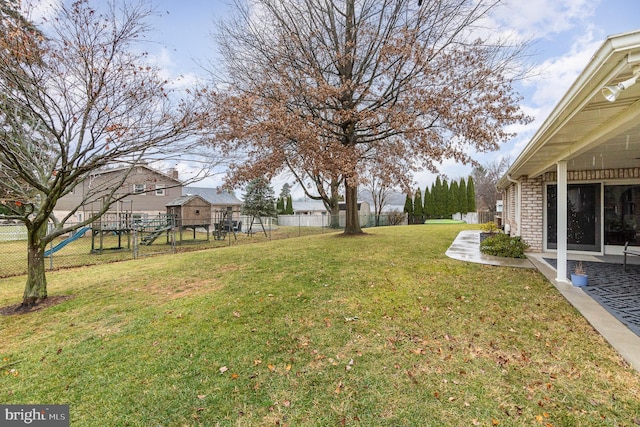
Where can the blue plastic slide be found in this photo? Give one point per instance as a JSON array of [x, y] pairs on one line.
[[65, 242]]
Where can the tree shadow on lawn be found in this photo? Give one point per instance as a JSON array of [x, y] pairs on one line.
[[49, 301]]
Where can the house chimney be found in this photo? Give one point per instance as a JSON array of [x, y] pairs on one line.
[[174, 173]]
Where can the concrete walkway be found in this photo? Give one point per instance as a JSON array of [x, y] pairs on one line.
[[466, 247]]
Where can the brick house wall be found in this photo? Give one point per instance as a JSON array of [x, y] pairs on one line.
[[532, 213], [533, 203]]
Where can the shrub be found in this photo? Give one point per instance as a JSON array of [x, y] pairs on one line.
[[490, 227], [395, 217], [504, 245]]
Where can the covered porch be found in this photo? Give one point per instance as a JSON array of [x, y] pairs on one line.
[[575, 188]]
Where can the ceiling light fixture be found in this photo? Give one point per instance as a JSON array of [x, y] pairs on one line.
[[611, 93]]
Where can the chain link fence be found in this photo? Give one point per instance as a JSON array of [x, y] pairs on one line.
[[101, 244]]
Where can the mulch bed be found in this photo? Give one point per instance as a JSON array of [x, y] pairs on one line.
[[49, 301]]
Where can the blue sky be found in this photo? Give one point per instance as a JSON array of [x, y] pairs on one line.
[[565, 34]]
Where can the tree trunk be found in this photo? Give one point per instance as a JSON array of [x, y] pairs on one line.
[[335, 216], [35, 290], [334, 204], [353, 219]]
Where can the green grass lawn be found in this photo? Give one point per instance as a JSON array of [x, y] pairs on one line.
[[325, 330], [445, 221]]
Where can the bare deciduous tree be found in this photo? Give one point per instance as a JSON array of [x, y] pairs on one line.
[[379, 188], [485, 178], [327, 87], [75, 97]]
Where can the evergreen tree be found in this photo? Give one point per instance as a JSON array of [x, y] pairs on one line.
[[418, 215], [259, 199], [289, 209], [462, 196], [437, 198], [471, 195], [445, 199], [454, 206], [285, 191], [408, 208], [280, 207], [428, 204], [433, 210]]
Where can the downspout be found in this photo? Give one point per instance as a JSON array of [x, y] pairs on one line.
[[518, 202]]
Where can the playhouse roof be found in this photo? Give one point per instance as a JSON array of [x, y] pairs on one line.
[[184, 200], [215, 196]]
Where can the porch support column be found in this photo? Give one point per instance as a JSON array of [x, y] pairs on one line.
[[562, 223]]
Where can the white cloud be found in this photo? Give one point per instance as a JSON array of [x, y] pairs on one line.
[[552, 78], [543, 18]]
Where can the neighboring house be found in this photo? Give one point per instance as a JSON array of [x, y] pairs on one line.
[[306, 213], [314, 214], [576, 185], [311, 207], [150, 191]]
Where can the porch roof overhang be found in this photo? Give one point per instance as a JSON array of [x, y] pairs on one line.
[[584, 129]]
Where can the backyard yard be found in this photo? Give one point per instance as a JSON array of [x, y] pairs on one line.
[[323, 330], [109, 248]]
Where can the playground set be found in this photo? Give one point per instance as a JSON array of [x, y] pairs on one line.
[[186, 213]]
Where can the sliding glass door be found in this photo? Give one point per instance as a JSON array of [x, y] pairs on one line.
[[621, 214], [583, 217]]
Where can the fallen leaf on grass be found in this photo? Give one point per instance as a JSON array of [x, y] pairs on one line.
[[223, 369], [202, 396]]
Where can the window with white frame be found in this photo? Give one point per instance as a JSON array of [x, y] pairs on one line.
[[160, 190], [138, 188]]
